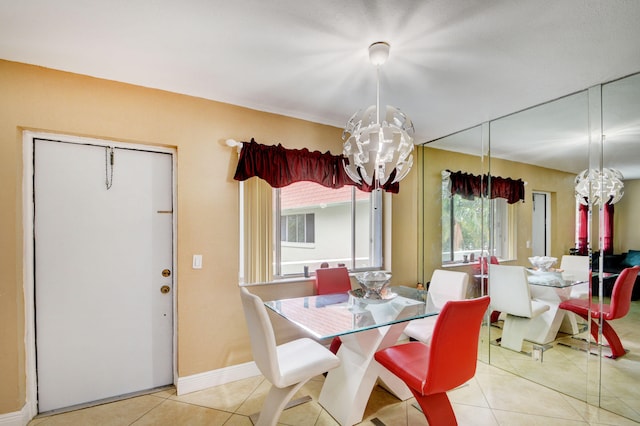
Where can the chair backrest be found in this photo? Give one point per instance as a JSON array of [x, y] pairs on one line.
[[445, 286], [263, 340], [483, 264], [492, 260], [332, 280], [576, 266], [453, 351], [509, 290], [621, 293]]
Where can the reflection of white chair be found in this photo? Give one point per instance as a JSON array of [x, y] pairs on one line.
[[576, 268], [445, 286], [287, 366], [510, 294]]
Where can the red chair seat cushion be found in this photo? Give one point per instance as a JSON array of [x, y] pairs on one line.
[[408, 362], [582, 307]]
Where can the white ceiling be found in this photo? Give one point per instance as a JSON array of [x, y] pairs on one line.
[[453, 63]]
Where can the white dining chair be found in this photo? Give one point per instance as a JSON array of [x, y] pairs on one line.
[[510, 294], [444, 286], [287, 366]]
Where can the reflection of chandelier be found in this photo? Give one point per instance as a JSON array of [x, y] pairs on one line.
[[605, 186], [378, 151]]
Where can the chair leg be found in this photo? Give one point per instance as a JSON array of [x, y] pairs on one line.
[[610, 335], [436, 408], [594, 330], [513, 332], [612, 338], [275, 403], [594, 324]]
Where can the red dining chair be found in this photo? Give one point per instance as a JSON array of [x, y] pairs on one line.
[[617, 308], [330, 281], [448, 361]]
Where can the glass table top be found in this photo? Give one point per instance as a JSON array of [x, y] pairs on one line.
[[550, 279], [326, 316]]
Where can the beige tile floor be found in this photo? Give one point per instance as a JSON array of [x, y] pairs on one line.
[[615, 385], [492, 397]]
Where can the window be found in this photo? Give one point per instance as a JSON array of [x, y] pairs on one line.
[[466, 230], [318, 224], [297, 228]]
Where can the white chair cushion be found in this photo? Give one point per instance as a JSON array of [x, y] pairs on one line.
[[421, 329], [301, 359]]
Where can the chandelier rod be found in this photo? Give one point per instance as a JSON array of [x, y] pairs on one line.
[[378, 94]]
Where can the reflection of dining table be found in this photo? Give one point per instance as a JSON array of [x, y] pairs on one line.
[[364, 328], [550, 288]]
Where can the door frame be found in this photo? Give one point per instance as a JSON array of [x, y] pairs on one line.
[[547, 219], [28, 264]]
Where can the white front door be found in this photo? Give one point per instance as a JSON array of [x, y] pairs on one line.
[[103, 272]]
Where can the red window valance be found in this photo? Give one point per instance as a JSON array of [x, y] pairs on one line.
[[469, 186], [280, 167]]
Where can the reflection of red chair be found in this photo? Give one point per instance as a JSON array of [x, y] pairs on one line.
[[493, 260], [482, 266], [329, 281], [617, 308], [446, 363]]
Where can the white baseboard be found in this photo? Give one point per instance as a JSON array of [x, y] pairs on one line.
[[18, 418], [184, 385], [211, 378]]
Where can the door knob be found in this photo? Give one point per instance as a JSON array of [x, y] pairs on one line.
[[165, 289]]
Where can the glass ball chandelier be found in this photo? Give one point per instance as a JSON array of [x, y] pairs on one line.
[[597, 187], [378, 152]]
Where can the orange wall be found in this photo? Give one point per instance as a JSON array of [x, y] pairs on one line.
[[211, 327]]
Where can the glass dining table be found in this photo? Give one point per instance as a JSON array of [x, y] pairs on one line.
[[364, 326], [552, 288]]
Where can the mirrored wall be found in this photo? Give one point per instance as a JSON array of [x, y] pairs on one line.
[[547, 146]]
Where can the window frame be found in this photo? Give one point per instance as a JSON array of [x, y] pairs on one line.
[[309, 236], [375, 249], [502, 233]]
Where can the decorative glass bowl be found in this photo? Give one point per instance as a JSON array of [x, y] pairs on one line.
[[374, 284], [543, 263]]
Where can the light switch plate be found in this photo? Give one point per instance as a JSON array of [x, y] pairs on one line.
[[197, 261]]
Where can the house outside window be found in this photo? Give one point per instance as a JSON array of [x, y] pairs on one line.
[[316, 224]]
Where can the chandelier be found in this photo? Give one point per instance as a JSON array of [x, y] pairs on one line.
[[597, 187], [378, 152]]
